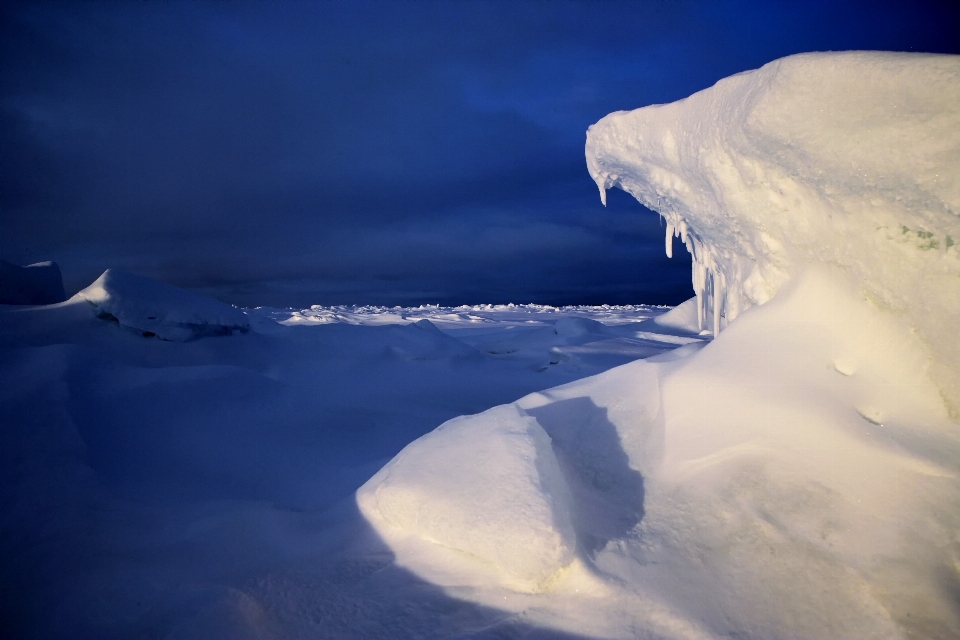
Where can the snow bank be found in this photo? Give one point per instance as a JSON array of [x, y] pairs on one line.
[[38, 283], [157, 309], [848, 159], [797, 477]]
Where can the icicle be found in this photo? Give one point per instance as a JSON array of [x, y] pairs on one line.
[[683, 231], [669, 241], [718, 294], [700, 290], [603, 193]]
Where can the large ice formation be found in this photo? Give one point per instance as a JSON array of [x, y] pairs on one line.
[[38, 283], [798, 476], [157, 309], [848, 159]]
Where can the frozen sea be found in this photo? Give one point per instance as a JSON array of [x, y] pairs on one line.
[[203, 488]]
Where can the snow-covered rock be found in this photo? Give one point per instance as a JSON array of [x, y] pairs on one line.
[[157, 309], [849, 159], [38, 283]]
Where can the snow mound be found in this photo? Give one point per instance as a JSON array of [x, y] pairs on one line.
[[797, 477], [38, 283], [576, 327], [488, 486], [683, 317], [157, 309], [848, 159]]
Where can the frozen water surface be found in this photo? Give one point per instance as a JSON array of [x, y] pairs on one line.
[[777, 458], [175, 467]]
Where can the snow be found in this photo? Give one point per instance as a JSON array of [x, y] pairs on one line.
[[440, 490], [204, 488], [157, 309], [38, 283], [797, 476], [778, 457], [842, 158]]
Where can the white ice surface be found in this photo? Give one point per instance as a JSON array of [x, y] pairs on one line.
[[848, 159]]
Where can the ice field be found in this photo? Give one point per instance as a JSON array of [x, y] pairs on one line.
[[778, 457]]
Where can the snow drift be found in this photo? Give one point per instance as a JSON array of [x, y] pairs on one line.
[[157, 309], [848, 159], [799, 476]]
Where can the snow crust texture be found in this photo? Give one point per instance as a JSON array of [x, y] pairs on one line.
[[157, 309], [848, 159]]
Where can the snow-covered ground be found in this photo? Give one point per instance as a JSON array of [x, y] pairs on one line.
[[798, 476], [173, 470]]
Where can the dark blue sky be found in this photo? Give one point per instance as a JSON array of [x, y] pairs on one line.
[[381, 152]]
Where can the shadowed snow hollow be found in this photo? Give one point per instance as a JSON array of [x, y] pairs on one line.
[[849, 159]]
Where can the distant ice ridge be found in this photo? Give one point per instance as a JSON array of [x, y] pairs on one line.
[[477, 313], [848, 159]]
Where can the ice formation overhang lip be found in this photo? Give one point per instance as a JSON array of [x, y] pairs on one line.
[[846, 158]]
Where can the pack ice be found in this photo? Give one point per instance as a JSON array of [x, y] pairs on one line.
[[798, 476]]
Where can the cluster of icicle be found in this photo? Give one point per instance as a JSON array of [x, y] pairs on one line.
[[709, 281]]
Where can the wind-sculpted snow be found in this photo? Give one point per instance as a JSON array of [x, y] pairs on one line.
[[848, 159], [157, 309], [798, 476], [795, 478], [488, 485]]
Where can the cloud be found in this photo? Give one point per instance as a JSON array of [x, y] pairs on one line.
[[366, 150]]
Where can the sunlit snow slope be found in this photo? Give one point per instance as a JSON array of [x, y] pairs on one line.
[[799, 476], [849, 159]]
